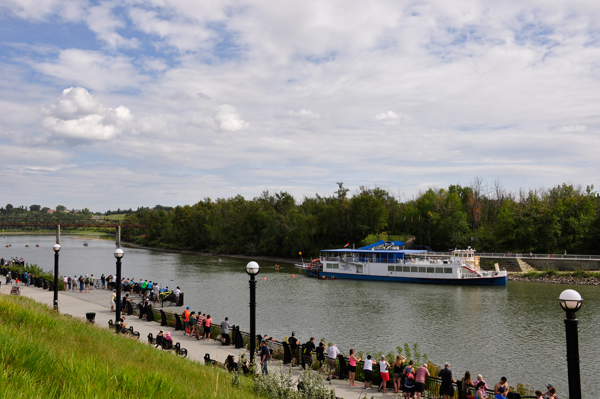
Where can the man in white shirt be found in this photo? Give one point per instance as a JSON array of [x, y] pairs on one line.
[[177, 293], [332, 353]]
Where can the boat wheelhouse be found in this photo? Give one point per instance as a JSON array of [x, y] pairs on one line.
[[389, 261]]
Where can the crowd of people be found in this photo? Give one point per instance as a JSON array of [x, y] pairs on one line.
[[406, 378]]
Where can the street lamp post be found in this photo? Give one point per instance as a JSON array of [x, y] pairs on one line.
[[56, 249], [252, 268], [570, 301], [118, 255]]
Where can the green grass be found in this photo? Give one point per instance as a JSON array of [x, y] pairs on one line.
[[119, 216], [45, 355]]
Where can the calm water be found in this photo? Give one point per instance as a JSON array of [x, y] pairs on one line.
[[515, 331]]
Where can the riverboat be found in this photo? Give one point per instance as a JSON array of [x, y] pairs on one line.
[[389, 261]]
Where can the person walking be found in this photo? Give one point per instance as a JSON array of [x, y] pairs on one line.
[[113, 301], [352, 359], [383, 371], [265, 356], [225, 331], [398, 369]]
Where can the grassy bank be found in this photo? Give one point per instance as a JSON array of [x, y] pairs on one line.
[[45, 355]]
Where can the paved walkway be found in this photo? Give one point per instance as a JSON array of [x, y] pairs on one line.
[[98, 301]]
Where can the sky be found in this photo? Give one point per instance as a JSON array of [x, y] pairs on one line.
[[107, 104]]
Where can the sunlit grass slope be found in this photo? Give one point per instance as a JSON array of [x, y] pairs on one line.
[[45, 355]]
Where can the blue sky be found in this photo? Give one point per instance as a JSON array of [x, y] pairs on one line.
[[110, 104]]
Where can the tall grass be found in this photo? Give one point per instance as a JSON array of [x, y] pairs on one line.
[[45, 355]]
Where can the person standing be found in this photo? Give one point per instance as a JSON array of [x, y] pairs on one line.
[[265, 356], [177, 294], [480, 390], [398, 369], [113, 301], [383, 371], [207, 324], [103, 280], [500, 394], [320, 355], [225, 331], [467, 384], [502, 384], [91, 282], [65, 281], [421, 375], [69, 282], [332, 354], [293, 341], [409, 379], [200, 325], [446, 388], [352, 359], [309, 348], [368, 371]]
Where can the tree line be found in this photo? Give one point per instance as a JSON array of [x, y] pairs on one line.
[[562, 218]]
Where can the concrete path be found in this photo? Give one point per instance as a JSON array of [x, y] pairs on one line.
[[98, 301]]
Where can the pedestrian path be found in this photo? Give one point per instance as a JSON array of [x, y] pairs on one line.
[[97, 301]]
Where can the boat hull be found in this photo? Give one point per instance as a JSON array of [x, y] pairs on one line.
[[499, 280]]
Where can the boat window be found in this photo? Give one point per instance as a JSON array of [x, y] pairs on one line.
[[391, 268], [422, 270], [448, 270], [333, 265], [406, 269], [431, 270], [398, 268], [414, 269]]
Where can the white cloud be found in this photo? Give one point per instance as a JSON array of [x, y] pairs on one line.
[[388, 118], [303, 113], [76, 115], [228, 120], [92, 69], [574, 129]]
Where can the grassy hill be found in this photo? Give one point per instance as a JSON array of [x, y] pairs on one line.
[[46, 355]]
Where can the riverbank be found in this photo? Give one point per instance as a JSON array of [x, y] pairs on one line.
[[579, 277]]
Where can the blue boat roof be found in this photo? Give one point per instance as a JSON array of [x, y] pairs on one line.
[[370, 251], [384, 247]]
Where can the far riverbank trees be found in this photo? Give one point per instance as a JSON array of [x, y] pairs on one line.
[[551, 220]]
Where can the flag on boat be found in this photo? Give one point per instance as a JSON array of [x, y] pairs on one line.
[[347, 245]]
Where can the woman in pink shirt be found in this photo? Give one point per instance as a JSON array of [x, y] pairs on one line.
[[352, 367], [420, 376]]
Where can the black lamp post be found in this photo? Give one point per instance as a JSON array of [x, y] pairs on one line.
[[118, 255], [56, 249], [570, 301], [252, 269]]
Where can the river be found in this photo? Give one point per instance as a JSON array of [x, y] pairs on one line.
[[515, 331]]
